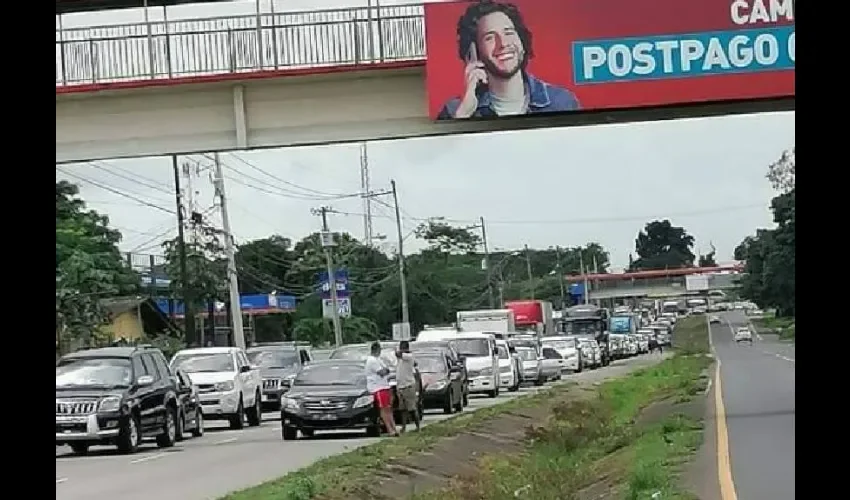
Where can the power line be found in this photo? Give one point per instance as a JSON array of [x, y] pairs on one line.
[[116, 191], [288, 183]]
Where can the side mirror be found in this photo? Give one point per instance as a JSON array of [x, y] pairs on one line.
[[245, 369], [540, 358], [495, 352], [144, 380]]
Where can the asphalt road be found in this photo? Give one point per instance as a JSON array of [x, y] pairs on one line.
[[758, 389], [223, 460]]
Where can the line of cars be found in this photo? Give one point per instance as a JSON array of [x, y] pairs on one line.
[[122, 395]]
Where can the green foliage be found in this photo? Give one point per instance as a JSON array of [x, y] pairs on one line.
[[89, 266], [770, 254], [661, 245]]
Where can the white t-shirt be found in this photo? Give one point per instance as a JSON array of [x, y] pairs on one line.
[[404, 371], [374, 381]]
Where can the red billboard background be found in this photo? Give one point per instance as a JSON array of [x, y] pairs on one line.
[[556, 24]]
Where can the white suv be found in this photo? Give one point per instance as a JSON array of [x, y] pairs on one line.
[[228, 386], [743, 335]]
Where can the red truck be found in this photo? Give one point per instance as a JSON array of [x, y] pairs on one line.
[[533, 314]]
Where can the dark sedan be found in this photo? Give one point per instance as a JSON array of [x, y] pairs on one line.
[[441, 380], [329, 395], [456, 359]]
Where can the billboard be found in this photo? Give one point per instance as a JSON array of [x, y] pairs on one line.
[[340, 280], [493, 58]]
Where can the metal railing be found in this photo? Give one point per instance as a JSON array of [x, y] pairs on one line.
[[240, 44]]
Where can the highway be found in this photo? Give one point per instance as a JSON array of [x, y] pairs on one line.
[[758, 401], [223, 460]]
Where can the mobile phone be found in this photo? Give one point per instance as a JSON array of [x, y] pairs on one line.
[[472, 53]]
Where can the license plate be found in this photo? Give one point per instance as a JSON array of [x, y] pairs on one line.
[[264, 398], [70, 420], [324, 416]]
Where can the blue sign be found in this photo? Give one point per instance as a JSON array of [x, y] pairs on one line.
[[256, 303], [341, 279], [621, 324], [577, 289]]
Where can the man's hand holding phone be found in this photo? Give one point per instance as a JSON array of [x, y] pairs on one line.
[[474, 76]]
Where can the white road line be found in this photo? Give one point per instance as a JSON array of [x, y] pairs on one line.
[[148, 458], [225, 441], [61, 480]]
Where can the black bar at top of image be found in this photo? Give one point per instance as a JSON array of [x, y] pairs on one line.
[[73, 6]]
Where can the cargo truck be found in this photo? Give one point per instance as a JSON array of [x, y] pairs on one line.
[[486, 320], [533, 315], [590, 321]]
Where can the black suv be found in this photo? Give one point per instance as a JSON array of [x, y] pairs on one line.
[[117, 396]]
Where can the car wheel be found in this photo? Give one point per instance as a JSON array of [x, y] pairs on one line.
[[448, 405], [181, 426], [237, 421], [169, 429], [289, 433], [198, 430], [492, 394], [255, 413], [130, 436], [80, 448]]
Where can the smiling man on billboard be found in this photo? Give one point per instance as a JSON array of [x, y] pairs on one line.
[[496, 45]]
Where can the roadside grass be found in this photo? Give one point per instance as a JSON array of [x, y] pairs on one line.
[[588, 442], [784, 326], [334, 473]]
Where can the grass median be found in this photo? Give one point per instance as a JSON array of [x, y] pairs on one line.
[[784, 326], [575, 441]]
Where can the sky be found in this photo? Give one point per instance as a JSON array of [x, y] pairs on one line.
[[707, 175]]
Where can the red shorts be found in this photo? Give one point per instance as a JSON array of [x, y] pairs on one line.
[[383, 398]]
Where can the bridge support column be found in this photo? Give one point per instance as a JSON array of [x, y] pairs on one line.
[[239, 118]]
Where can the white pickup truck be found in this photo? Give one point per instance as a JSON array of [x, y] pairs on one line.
[[228, 385]]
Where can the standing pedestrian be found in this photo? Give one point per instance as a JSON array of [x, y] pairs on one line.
[[406, 385], [378, 385]]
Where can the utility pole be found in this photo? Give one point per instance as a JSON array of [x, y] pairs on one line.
[[365, 186], [487, 264], [230, 251], [405, 313], [560, 277], [584, 275], [327, 243], [188, 302], [528, 268]]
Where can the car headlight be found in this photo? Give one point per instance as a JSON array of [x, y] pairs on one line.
[[224, 386], [290, 403], [438, 385], [486, 371], [363, 401], [110, 403], [287, 380]]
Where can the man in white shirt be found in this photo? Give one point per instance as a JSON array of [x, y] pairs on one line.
[[406, 384], [378, 385]]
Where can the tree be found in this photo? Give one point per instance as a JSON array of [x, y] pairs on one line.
[[661, 245], [447, 239], [770, 255], [206, 270], [263, 264], [781, 173], [89, 266]]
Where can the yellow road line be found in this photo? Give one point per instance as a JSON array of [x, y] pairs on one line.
[[724, 466]]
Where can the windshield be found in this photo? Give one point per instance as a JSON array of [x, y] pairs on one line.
[[586, 327], [527, 354], [503, 353], [110, 372], [431, 364], [560, 345], [472, 347], [273, 358], [204, 362], [347, 374]]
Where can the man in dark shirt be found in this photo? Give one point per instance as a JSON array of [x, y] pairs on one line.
[[495, 44]]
